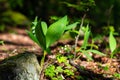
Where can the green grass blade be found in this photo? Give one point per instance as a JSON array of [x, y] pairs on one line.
[[55, 31], [71, 26], [32, 37], [88, 56], [96, 52], [86, 37]]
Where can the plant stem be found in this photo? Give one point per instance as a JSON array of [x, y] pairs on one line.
[[77, 37], [43, 58], [42, 63]]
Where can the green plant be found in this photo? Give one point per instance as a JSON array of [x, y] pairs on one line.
[[50, 71], [106, 68], [45, 36], [61, 58], [117, 75], [2, 42], [54, 71], [112, 42], [68, 72], [85, 44]]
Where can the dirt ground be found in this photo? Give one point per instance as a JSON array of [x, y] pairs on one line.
[[18, 41]]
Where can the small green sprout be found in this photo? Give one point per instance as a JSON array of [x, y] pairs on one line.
[[117, 75], [112, 43], [85, 44]]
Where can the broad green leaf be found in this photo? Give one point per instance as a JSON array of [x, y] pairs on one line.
[[86, 37], [112, 42], [96, 52], [117, 50], [40, 35], [55, 31], [33, 37], [71, 26], [44, 27]]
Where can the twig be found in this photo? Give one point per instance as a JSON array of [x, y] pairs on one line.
[[77, 37], [88, 73], [109, 14]]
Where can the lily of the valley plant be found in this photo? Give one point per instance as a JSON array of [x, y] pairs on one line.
[[45, 36]]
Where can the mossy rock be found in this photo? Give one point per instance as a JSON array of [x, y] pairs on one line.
[[24, 66]]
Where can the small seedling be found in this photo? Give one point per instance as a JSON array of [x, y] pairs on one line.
[[117, 75], [112, 43], [54, 71], [85, 44]]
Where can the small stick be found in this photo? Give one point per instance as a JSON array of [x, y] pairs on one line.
[[77, 37]]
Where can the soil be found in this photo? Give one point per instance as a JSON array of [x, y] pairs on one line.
[[18, 41]]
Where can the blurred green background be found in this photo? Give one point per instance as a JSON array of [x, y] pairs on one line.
[[101, 14]]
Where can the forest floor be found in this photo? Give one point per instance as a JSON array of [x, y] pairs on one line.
[[17, 41]]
